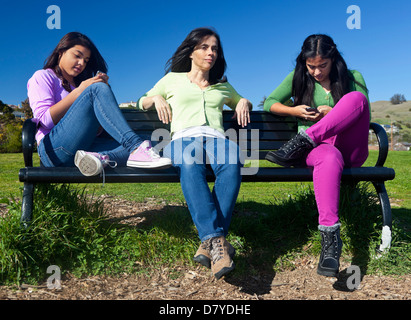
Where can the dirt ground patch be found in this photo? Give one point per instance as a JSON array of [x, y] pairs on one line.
[[182, 283], [199, 284]]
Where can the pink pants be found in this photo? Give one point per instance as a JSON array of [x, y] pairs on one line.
[[342, 141]]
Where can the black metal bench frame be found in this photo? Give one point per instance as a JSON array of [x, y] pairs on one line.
[[272, 132]]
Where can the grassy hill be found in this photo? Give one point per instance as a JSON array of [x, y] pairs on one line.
[[384, 112]]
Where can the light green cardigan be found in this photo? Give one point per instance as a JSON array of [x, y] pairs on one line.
[[192, 106]]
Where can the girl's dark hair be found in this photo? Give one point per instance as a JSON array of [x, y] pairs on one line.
[[181, 62], [340, 78], [71, 39]]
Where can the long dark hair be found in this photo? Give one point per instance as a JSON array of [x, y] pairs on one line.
[[71, 39], [181, 62], [340, 78]]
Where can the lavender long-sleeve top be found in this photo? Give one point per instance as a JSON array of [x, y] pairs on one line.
[[44, 89]]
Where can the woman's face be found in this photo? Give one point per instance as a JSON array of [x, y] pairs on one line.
[[73, 61], [319, 68], [205, 53]]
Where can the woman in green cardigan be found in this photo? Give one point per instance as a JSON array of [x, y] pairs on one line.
[[332, 107], [191, 97]]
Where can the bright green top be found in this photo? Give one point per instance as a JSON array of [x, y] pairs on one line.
[[190, 105], [284, 92]]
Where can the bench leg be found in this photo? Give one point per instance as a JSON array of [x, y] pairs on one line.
[[386, 216], [27, 205]]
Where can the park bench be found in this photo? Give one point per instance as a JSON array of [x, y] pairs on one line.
[[272, 132]]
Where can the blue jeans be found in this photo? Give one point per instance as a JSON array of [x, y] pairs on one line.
[[211, 211], [96, 107]]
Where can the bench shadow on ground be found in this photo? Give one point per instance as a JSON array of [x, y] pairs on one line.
[[402, 224], [257, 233], [263, 236], [270, 233]]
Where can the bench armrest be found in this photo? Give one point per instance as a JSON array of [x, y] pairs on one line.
[[28, 139], [382, 139]]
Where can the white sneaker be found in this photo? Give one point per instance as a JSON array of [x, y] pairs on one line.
[[92, 163]]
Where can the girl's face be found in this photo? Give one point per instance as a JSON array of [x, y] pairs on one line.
[[205, 53], [319, 68], [73, 61]]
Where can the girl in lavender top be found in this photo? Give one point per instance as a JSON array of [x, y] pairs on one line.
[[76, 110]]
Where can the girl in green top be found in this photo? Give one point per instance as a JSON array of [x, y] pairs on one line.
[[192, 97], [332, 107]]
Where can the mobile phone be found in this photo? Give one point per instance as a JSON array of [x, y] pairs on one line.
[[311, 109], [98, 72]]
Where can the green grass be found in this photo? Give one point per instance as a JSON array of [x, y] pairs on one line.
[[273, 225], [72, 232]]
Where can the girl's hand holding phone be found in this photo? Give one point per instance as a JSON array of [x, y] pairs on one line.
[[102, 76]]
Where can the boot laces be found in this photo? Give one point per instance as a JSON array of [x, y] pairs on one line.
[[206, 245], [328, 241], [292, 144], [217, 250]]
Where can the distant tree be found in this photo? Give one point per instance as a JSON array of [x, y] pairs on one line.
[[4, 108], [261, 104], [28, 113], [10, 138], [289, 102], [398, 98], [6, 113], [10, 130]]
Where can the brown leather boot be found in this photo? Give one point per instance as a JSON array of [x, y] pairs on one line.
[[203, 255], [221, 262]]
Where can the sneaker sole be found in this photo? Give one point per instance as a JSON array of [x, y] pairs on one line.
[[149, 165], [88, 165]]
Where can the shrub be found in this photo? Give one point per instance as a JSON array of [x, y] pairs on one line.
[[398, 98], [10, 138]]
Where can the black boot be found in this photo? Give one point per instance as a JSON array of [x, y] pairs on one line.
[[293, 151], [331, 246]]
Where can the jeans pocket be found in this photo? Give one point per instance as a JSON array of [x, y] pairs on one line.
[[62, 157], [58, 157]]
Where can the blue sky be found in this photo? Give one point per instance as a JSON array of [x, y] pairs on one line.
[[261, 40]]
